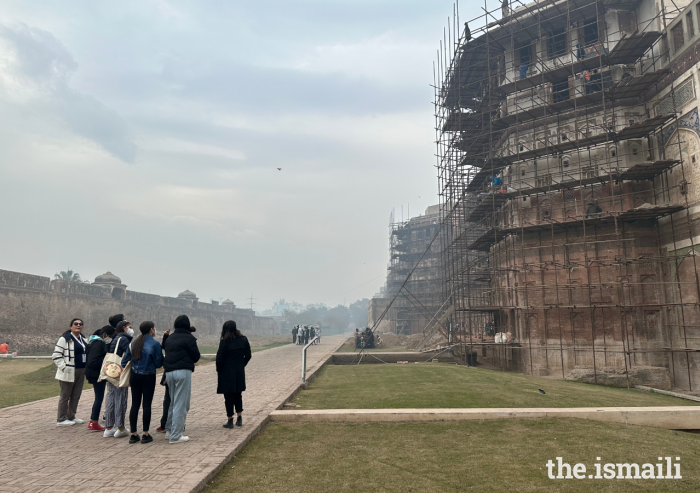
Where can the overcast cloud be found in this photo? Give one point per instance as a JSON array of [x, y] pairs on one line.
[[144, 137]]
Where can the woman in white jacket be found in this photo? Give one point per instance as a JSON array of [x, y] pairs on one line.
[[69, 356]]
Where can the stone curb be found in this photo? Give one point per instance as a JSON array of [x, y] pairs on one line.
[[666, 417], [252, 434]]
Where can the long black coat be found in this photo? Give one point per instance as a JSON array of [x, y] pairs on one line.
[[96, 352], [231, 358]]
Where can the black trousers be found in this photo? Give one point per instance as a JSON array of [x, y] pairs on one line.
[[99, 389], [142, 389], [166, 407], [232, 400], [294, 338]]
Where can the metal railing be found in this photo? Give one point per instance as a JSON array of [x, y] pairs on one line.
[[303, 359]]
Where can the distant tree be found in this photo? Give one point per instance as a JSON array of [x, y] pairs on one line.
[[68, 275], [359, 312], [332, 319]]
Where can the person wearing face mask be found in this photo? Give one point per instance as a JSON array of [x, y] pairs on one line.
[[97, 349], [146, 357], [69, 358], [115, 409]]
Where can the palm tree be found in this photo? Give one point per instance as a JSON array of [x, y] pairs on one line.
[[68, 275]]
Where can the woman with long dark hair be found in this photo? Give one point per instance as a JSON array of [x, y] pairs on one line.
[[231, 359], [146, 357], [96, 351]]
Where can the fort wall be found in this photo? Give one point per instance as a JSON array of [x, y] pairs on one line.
[[35, 310]]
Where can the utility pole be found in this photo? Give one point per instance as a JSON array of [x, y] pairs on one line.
[[251, 300]]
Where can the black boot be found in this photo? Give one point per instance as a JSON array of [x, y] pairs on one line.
[[229, 424], [239, 421]]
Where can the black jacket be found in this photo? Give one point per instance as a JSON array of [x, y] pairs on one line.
[[231, 358], [181, 351], [123, 340], [96, 352]]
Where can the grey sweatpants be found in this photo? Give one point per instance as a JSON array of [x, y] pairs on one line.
[[115, 407], [70, 396]]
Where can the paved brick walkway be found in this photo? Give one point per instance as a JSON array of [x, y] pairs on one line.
[[36, 455]]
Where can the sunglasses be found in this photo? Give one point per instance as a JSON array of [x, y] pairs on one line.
[[77, 323]]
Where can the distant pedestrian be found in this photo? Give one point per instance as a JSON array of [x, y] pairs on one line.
[[181, 353], [69, 356], [295, 330], [5, 348], [231, 359], [115, 408], [97, 349], [146, 356], [318, 335]]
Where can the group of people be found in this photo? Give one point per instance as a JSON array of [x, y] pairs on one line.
[[364, 339], [302, 334], [78, 359]]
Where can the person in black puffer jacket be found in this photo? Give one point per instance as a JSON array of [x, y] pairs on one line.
[[181, 353], [231, 359], [96, 351]]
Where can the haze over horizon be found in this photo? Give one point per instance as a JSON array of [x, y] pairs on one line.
[[143, 138]]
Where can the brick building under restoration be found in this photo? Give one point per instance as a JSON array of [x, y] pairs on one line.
[[569, 173]]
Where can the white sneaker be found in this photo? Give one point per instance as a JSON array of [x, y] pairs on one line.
[[65, 422], [167, 434], [78, 421], [119, 433], [109, 432], [182, 439]]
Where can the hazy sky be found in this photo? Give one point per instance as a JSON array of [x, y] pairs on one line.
[[143, 137]]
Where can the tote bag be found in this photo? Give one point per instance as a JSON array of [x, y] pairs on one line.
[[125, 377], [112, 370]]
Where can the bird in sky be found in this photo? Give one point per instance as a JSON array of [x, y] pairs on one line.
[[279, 169]]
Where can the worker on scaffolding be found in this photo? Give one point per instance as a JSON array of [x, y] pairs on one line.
[[496, 182], [592, 210], [489, 329]]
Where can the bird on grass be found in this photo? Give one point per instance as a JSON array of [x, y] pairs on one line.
[[542, 391]]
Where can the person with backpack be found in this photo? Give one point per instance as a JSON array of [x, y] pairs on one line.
[[181, 353], [146, 356], [97, 349], [69, 356], [115, 409], [231, 359]]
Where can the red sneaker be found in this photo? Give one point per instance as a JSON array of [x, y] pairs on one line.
[[95, 426], [160, 429]]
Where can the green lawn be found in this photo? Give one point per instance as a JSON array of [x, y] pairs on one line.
[[428, 385], [487, 456], [28, 380]]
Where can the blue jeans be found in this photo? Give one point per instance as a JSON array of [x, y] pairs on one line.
[[180, 386], [99, 389]]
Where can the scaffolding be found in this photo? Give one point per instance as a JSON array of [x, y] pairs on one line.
[[420, 297], [566, 134]]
